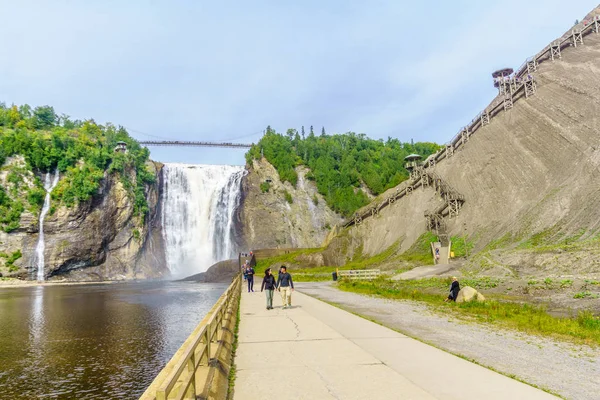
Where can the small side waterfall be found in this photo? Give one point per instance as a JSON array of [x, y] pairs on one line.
[[199, 202], [49, 184]]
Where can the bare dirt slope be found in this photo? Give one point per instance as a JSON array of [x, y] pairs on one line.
[[534, 169], [530, 179]]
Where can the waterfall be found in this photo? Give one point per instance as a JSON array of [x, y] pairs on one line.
[[199, 202], [49, 185]]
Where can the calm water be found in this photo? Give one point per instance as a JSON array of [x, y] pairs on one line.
[[94, 341]]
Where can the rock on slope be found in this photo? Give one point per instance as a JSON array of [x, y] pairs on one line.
[[267, 220], [532, 171]]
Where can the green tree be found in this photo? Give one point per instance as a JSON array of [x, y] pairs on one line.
[[44, 117]]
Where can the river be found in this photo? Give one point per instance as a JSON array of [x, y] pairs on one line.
[[94, 341]]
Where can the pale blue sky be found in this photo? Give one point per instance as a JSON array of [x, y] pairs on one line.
[[218, 70]]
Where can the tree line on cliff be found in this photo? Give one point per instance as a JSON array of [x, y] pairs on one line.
[[341, 165], [82, 151]]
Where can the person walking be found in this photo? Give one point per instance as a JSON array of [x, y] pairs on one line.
[[285, 285], [269, 285], [250, 278], [454, 289]]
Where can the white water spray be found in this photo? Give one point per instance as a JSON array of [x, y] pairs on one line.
[[199, 202], [49, 184]]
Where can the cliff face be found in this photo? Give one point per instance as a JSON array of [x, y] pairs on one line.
[[268, 220], [100, 239]]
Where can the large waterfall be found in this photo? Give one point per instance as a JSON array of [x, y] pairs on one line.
[[199, 202]]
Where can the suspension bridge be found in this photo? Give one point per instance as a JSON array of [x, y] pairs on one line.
[[183, 143]]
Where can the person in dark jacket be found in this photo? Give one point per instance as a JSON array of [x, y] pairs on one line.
[[250, 278], [269, 285], [285, 285], [454, 289]]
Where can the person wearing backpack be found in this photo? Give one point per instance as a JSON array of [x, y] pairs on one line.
[[285, 286], [269, 285]]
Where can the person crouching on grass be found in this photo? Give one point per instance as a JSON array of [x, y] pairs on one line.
[[285, 285], [454, 289], [269, 285]]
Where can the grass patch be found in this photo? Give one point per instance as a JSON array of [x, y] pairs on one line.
[[10, 260], [420, 251], [461, 246], [585, 295], [288, 197], [264, 187], [551, 239], [566, 283], [523, 317]]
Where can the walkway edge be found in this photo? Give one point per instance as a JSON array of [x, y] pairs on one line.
[[511, 376]]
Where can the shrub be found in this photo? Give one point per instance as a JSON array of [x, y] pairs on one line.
[[265, 186], [288, 197], [36, 196], [10, 260]]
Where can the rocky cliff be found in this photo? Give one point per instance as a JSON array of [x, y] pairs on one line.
[[99, 239], [278, 215]]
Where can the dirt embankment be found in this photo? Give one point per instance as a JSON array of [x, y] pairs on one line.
[[530, 178]]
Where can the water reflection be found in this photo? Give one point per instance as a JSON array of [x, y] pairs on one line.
[[36, 319], [94, 341]]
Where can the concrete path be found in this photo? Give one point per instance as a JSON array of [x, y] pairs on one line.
[[317, 351]]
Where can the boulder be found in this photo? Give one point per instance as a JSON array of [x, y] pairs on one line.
[[467, 293]]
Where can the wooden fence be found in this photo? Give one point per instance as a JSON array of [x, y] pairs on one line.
[[198, 367], [366, 274]]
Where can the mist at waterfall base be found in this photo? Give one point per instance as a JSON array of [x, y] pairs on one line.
[[199, 204]]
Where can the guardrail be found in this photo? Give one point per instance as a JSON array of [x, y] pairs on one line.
[[193, 372], [360, 274]]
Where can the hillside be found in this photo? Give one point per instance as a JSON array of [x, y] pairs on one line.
[[530, 181], [348, 170]]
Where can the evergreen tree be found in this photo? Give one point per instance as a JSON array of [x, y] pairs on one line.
[[303, 134], [322, 131]]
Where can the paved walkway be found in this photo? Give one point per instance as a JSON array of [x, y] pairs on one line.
[[317, 351]]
